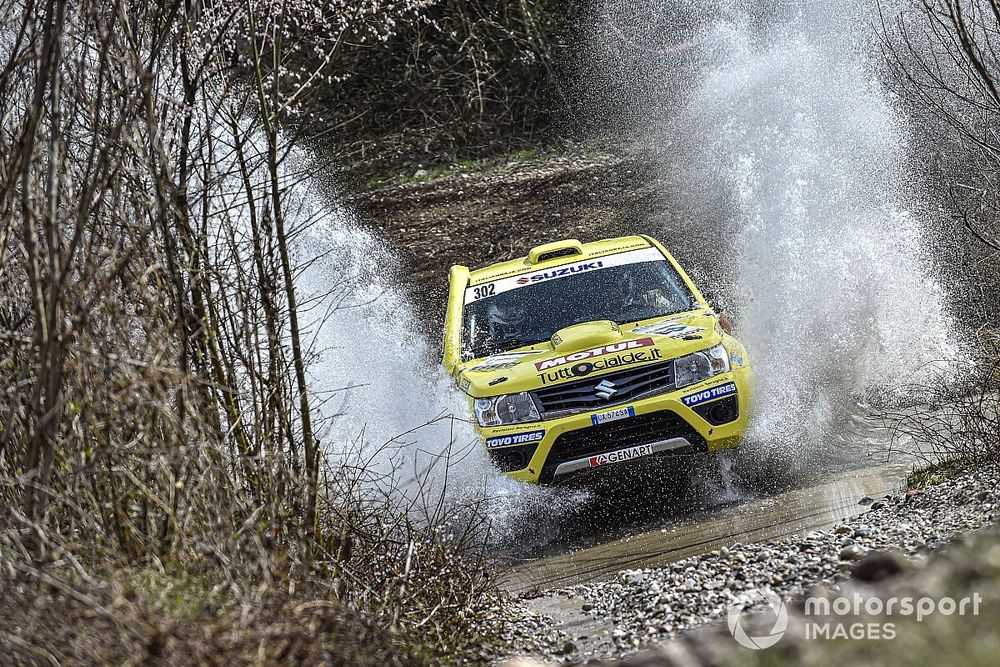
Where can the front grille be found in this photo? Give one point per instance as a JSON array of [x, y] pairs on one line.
[[641, 430], [581, 395]]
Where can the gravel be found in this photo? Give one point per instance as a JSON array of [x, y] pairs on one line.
[[512, 630], [650, 605]]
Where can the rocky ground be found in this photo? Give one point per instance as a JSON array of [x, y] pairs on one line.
[[649, 606]]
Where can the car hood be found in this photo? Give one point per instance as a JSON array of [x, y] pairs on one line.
[[590, 349]]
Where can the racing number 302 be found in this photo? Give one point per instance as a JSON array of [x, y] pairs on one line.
[[484, 291]]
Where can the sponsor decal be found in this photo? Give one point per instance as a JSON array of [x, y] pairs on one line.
[[463, 384], [502, 285], [502, 378], [503, 361], [488, 366], [612, 415], [669, 329], [736, 359], [482, 291], [585, 368], [514, 439], [613, 348], [620, 455], [516, 428], [709, 394], [560, 272]]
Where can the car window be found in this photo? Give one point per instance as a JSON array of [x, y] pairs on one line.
[[513, 312]]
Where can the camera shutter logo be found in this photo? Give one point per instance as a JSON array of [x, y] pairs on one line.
[[738, 609]]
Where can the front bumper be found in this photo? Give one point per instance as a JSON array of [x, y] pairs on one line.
[[669, 423]]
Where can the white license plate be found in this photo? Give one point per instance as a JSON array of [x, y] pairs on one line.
[[620, 455], [613, 415]]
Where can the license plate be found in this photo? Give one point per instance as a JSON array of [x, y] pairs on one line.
[[620, 455], [613, 415]]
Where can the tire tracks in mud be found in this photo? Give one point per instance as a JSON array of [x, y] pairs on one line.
[[769, 517]]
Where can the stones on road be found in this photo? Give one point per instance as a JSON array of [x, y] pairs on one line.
[[852, 552], [651, 604]]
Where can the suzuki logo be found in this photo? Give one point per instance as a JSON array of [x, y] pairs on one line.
[[605, 389]]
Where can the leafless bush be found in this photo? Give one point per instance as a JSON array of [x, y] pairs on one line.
[[461, 79], [155, 411], [113, 623], [944, 58], [956, 419]]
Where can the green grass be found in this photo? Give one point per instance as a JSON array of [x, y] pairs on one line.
[[935, 473], [525, 154], [434, 172], [180, 595]]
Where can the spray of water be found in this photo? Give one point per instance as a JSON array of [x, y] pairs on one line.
[[386, 403], [784, 121], [787, 125], [789, 183], [836, 294], [382, 404]]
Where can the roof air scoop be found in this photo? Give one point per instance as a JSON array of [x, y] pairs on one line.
[[567, 248]]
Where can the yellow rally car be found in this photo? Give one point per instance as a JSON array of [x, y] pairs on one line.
[[581, 355]]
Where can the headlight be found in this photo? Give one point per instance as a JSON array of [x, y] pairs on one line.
[[506, 409], [700, 366]]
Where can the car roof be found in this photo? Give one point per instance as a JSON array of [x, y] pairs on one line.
[[591, 250]]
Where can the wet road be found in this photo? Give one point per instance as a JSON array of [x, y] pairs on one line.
[[750, 520], [678, 507]]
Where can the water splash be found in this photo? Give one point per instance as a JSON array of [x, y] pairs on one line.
[[785, 124], [790, 194], [833, 283], [788, 134], [386, 402]]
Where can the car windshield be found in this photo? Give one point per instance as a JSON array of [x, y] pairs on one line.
[[523, 310]]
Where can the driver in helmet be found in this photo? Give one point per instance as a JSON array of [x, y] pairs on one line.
[[633, 291], [507, 318]]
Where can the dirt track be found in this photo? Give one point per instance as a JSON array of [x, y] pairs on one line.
[[480, 217], [747, 520]]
